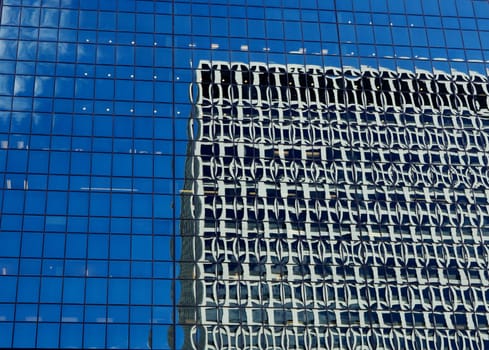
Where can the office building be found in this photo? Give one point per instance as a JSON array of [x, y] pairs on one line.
[[231, 174]]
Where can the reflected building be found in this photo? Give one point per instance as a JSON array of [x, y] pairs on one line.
[[336, 208]]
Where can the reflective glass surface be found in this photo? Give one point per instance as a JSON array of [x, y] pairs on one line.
[[244, 174]]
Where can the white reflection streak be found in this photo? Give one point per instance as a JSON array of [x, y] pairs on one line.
[[115, 189], [81, 51], [39, 86], [299, 52], [33, 318], [19, 85]]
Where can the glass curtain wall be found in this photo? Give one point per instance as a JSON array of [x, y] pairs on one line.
[[244, 174]]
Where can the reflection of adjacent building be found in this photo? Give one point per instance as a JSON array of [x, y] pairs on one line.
[[336, 208], [190, 290]]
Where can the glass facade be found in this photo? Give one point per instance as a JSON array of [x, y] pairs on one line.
[[244, 174]]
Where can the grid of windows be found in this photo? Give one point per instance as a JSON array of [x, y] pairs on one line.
[[121, 152], [87, 149]]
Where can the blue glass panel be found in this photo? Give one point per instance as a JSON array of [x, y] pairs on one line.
[[10, 243], [28, 290], [140, 291], [28, 267], [47, 335], [139, 336], [54, 245], [97, 246], [9, 288], [96, 291], [118, 291], [94, 336], [24, 335], [71, 335], [117, 336], [75, 268]]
